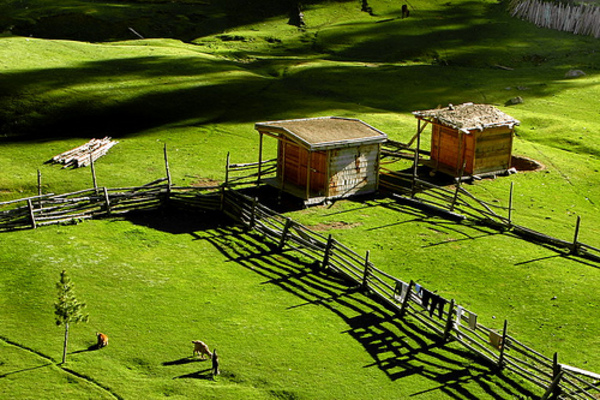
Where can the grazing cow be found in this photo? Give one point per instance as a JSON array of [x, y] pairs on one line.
[[405, 11], [201, 349], [215, 364], [102, 340]]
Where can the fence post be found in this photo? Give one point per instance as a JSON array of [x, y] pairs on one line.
[[286, 228], [169, 182], [31, 214], [553, 390], [575, 246], [39, 185], [449, 322], [365, 280], [93, 173], [222, 205], [227, 170], [413, 189], [510, 204], [502, 345], [458, 182], [406, 298], [253, 213], [328, 249], [107, 200]]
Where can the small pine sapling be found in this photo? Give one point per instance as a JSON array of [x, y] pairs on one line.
[[68, 309]]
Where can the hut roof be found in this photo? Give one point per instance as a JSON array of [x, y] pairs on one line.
[[325, 132], [468, 116]]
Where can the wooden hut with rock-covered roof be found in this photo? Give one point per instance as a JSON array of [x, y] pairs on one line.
[[324, 158], [469, 139]]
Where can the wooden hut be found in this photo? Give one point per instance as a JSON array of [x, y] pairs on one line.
[[469, 139], [324, 158]]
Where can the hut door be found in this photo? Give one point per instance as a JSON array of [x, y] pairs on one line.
[[296, 167]]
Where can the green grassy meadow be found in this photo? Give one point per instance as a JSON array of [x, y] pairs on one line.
[[204, 73]]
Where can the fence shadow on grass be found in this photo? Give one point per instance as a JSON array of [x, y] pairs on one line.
[[399, 348]]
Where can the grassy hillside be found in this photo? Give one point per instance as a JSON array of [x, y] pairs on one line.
[[204, 74]]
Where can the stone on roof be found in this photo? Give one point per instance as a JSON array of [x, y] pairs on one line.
[[468, 116], [325, 132]]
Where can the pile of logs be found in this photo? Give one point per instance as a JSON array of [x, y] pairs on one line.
[[83, 155]]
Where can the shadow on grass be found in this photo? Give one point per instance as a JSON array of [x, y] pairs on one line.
[[183, 361], [128, 95], [399, 348], [93, 347], [203, 374], [4, 375]]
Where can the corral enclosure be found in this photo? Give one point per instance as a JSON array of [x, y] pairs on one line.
[[324, 158]]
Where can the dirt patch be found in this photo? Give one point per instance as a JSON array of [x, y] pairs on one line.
[[205, 182], [521, 164], [334, 225]]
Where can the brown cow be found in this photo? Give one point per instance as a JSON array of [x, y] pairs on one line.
[[102, 340], [201, 349]]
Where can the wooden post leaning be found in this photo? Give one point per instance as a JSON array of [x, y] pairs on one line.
[[328, 250], [365, 281], [575, 245], [286, 228], [93, 173]]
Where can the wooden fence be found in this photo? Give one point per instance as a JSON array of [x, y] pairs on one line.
[[248, 173], [583, 19], [50, 209], [447, 318], [460, 204]]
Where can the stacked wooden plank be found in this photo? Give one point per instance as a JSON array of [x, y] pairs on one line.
[[83, 155]]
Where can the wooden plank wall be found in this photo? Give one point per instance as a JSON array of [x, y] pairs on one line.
[[486, 151], [494, 150], [353, 170]]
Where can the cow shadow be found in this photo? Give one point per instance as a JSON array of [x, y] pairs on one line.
[[93, 347], [183, 361], [202, 374]]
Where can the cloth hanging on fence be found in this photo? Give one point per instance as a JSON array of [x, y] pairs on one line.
[[441, 305], [472, 317], [496, 340], [435, 299], [459, 313], [400, 291], [426, 298]]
